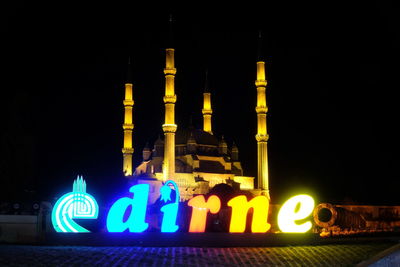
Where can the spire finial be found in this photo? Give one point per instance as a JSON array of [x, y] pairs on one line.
[[259, 50], [170, 31], [206, 84], [191, 122], [129, 71]]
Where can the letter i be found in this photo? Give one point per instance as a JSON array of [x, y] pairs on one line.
[[170, 211]]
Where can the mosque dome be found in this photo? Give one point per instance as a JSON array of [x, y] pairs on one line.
[[201, 137]]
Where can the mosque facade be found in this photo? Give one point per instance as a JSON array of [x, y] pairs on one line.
[[194, 158]]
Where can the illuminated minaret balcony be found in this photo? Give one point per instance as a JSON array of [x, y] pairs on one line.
[[207, 110], [262, 134], [127, 150], [169, 127]]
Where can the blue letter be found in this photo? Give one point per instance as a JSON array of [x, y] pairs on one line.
[[170, 210], [136, 221]]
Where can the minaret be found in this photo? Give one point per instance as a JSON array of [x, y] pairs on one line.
[[222, 147], [191, 144], [234, 152], [207, 111], [127, 150], [262, 135], [169, 127], [146, 152]]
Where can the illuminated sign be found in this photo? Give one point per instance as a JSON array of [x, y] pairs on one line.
[[170, 211], [200, 209], [296, 208], [74, 205], [129, 213], [138, 204], [240, 208]]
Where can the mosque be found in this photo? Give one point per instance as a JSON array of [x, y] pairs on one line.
[[194, 158]]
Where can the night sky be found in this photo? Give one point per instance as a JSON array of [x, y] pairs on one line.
[[332, 71]]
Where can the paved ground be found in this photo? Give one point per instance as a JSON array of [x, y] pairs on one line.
[[321, 255]]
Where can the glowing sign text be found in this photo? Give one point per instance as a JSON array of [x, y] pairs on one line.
[[200, 210], [136, 221], [295, 208], [129, 213], [138, 203], [240, 208], [170, 211]]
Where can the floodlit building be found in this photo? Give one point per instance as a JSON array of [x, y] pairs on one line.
[[194, 158]]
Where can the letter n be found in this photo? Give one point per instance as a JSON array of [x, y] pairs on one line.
[[240, 208]]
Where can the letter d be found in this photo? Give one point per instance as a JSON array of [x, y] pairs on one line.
[[136, 221]]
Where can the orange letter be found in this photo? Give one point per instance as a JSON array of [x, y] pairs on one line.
[[200, 210], [240, 207]]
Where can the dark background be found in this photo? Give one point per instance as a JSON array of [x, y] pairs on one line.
[[332, 71]]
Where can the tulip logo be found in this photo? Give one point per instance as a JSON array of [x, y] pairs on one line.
[[74, 205]]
